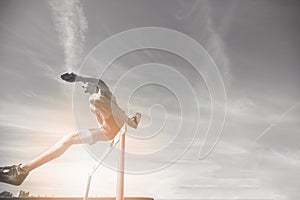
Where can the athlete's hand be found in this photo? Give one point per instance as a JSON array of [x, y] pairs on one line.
[[69, 77], [135, 120]]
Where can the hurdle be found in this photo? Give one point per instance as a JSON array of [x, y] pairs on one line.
[[119, 138]]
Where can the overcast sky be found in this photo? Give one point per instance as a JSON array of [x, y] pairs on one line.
[[254, 43]]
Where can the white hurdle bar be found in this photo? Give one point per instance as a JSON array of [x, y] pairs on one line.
[[120, 181]]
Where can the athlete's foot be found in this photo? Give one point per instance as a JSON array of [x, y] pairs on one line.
[[13, 175]]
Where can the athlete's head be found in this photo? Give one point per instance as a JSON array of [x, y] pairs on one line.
[[90, 88]]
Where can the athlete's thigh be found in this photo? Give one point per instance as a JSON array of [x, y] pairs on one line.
[[89, 136], [99, 135]]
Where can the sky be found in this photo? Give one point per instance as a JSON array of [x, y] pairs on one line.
[[255, 47]]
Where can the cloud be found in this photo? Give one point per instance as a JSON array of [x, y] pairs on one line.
[[71, 25], [211, 39]]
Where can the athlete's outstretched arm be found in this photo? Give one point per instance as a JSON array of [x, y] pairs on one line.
[[99, 82], [72, 77]]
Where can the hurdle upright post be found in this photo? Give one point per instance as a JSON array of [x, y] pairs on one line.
[[120, 180]]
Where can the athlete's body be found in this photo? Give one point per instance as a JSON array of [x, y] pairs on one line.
[[109, 115]]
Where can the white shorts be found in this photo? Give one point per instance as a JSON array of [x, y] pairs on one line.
[[86, 136]]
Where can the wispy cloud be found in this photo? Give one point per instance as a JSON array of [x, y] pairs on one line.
[[211, 39], [216, 45], [71, 25]]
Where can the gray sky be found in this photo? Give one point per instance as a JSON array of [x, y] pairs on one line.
[[255, 45]]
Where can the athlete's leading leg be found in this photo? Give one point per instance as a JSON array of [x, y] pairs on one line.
[[17, 173]]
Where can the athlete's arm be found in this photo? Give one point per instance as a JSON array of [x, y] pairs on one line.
[[99, 82], [72, 77]]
